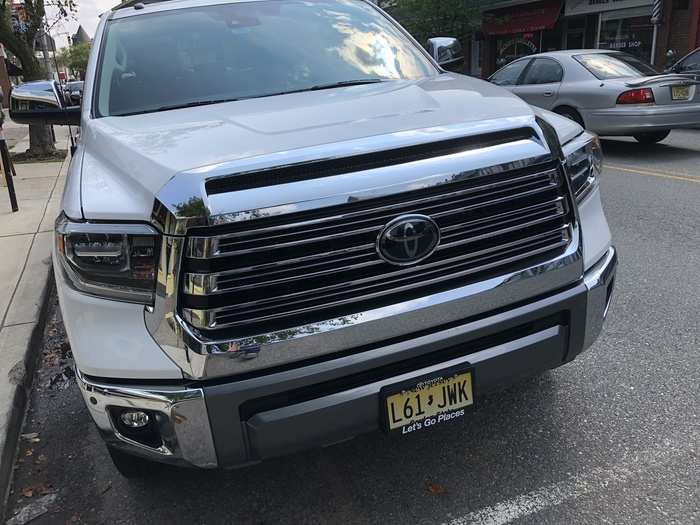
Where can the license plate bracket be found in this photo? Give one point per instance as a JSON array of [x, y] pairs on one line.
[[406, 406], [680, 92]]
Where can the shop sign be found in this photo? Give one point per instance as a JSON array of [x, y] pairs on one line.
[[514, 43], [583, 7], [522, 19]]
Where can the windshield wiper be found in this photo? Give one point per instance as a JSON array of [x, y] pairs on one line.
[[178, 106], [319, 87], [197, 103], [332, 85], [343, 83]]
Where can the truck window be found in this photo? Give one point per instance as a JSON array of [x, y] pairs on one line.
[[217, 53], [509, 75]]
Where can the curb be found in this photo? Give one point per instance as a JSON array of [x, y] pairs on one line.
[[21, 396]]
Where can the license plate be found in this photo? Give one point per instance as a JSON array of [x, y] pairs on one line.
[[680, 92], [422, 403]]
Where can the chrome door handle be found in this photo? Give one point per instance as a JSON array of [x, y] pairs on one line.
[[548, 93]]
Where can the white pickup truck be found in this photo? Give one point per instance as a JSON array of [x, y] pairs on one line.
[[285, 224]]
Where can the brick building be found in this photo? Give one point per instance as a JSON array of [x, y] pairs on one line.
[[515, 28], [679, 30]]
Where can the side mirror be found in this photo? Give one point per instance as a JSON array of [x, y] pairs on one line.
[[42, 102], [447, 52], [72, 98]]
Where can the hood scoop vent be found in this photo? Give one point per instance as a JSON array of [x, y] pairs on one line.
[[340, 166]]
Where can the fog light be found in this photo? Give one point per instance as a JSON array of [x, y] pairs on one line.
[[134, 418]]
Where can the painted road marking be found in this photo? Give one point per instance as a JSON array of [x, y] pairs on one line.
[[557, 493], [648, 173]]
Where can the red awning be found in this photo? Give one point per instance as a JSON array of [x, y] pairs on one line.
[[522, 19]]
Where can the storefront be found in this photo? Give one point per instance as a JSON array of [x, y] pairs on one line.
[[521, 30], [622, 25]]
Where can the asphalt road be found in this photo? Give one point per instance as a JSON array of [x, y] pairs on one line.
[[611, 438]]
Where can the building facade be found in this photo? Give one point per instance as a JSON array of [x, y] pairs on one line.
[[679, 30], [645, 28]]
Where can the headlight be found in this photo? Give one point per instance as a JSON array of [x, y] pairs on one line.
[[117, 261], [584, 163]]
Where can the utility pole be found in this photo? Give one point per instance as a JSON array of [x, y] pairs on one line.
[[656, 14]]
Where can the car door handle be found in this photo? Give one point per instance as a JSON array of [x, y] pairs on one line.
[[548, 93]]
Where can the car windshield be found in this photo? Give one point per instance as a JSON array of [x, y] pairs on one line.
[[615, 65], [204, 55]]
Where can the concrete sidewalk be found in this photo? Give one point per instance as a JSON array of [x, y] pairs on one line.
[[25, 264]]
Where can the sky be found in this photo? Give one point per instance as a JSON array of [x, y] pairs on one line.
[[87, 16]]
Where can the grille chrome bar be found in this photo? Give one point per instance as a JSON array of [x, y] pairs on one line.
[[283, 271], [374, 227], [214, 319], [205, 247], [221, 282], [399, 273]]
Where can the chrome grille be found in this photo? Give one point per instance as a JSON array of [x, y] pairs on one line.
[[271, 274]]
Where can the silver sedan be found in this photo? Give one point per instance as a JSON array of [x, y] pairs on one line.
[[607, 92]]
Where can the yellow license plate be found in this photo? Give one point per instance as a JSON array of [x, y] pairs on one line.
[[680, 92], [429, 402]]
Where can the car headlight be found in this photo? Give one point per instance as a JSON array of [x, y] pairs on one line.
[[116, 261], [584, 163]]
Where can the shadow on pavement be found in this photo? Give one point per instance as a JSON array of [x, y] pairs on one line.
[[510, 433], [650, 152], [514, 440]]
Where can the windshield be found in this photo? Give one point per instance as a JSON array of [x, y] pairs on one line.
[[217, 53], [615, 65]]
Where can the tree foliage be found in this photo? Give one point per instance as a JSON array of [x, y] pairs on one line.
[[22, 26], [429, 18], [76, 57], [19, 31]]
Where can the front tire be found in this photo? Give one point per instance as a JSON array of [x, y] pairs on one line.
[[131, 467], [652, 137]]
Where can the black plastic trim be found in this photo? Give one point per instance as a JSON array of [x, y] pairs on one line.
[[367, 161]]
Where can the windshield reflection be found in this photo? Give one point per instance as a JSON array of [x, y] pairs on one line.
[[203, 55]]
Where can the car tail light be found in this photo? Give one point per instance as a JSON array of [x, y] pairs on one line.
[[637, 96]]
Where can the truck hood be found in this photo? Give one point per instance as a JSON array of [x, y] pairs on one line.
[[126, 160]]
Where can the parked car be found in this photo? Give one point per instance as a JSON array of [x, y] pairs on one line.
[[607, 92], [688, 65], [74, 92], [265, 248]]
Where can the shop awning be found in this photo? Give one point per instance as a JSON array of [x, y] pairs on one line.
[[522, 19]]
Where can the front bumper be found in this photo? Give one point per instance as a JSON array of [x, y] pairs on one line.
[[622, 120], [229, 423]]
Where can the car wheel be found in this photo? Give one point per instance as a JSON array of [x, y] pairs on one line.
[[131, 467], [571, 114], [652, 137]]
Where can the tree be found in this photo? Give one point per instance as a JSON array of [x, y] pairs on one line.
[[76, 57], [21, 28], [429, 18]]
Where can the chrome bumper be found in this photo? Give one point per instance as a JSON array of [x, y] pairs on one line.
[[190, 417], [184, 427], [600, 281], [622, 120]]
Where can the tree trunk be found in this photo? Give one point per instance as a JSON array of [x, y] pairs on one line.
[[40, 141]]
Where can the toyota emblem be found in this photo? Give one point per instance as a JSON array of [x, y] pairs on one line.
[[408, 240]]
